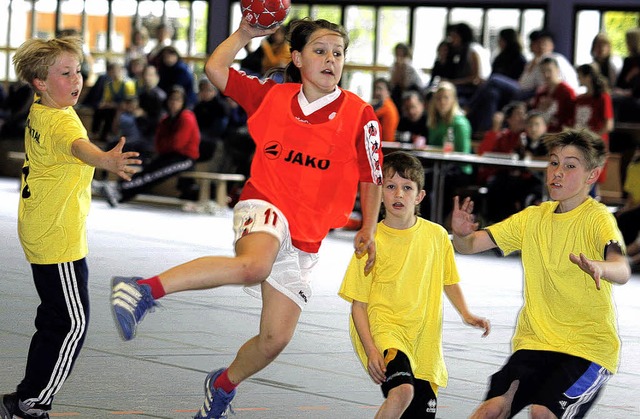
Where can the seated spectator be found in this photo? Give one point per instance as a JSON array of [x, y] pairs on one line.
[[594, 109], [135, 71], [177, 145], [239, 147], [385, 109], [412, 126], [16, 110], [440, 69], [500, 90], [404, 76], [629, 215], [173, 71], [469, 62], [555, 99], [163, 38], [151, 101], [212, 113], [626, 94], [509, 190], [445, 119], [275, 50], [117, 87], [609, 65], [127, 123], [535, 129]]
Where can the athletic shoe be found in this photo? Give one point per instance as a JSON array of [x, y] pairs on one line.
[[130, 302], [217, 402], [9, 409]]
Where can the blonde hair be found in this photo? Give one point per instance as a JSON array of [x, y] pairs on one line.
[[34, 57], [433, 115]]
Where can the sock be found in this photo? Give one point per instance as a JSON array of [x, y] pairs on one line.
[[157, 290], [223, 382]]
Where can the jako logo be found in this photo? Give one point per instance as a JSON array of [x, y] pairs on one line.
[[273, 150]]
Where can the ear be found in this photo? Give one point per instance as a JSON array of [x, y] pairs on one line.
[[594, 175], [296, 58], [40, 84], [420, 196]]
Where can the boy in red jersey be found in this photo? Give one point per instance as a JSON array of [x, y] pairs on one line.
[[315, 144]]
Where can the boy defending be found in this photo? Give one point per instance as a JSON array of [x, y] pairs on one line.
[[396, 311], [54, 203], [565, 346]]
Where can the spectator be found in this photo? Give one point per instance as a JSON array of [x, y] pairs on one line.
[[212, 113], [139, 45], [413, 120], [135, 71], [164, 38], [385, 109], [440, 69], [404, 76], [173, 71], [177, 145], [117, 87], [608, 65], [510, 190], [535, 129], [626, 94], [468, 61], [16, 110], [275, 50], [556, 98], [151, 100], [252, 63], [444, 120], [127, 124], [628, 216]]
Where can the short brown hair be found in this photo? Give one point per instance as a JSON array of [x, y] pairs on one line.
[[589, 143]]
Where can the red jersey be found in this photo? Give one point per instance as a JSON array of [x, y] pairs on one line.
[[593, 113], [389, 118], [308, 166], [557, 106], [179, 135]]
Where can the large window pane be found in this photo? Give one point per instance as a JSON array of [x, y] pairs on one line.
[[471, 16], [587, 27], [427, 37], [45, 19], [200, 23], [361, 25], [616, 24], [330, 13], [393, 28], [496, 20]]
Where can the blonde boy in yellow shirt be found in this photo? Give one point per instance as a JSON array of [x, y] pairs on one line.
[[396, 311]]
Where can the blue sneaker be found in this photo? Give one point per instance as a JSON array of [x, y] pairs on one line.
[[130, 301], [217, 403]]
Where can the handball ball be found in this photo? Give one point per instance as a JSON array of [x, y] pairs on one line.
[[265, 13]]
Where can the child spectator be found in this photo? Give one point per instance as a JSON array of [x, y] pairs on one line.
[[151, 100], [55, 200], [556, 97], [413, 120], [396, 309], [297, 192], [117, 87], [385, 109], [535, 128], [566, 346]]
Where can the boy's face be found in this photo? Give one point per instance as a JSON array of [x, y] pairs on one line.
[[550, 72], [568, 177], [536, 127], [400, 196], [63, 84]]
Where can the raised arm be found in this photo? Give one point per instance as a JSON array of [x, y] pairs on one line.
[[113, 160], [217, 66], [466, 237], [375, 361]]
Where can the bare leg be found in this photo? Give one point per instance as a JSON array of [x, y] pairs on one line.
[[541, 412], [277, 324], [398, 399], [497, 407], [255, 255]]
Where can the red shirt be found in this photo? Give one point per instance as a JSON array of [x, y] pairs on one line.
[[593, 113], [179, 135], [557, 106], [389, 118], [308, 166]]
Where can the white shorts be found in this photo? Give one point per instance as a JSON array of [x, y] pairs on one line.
[[291, 271]]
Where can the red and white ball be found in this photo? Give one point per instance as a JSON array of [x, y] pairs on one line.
[[265, 13]]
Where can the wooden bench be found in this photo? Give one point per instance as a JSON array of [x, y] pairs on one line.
[[16, 155], [204, 180]]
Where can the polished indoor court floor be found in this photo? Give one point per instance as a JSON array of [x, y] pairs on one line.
[[160, 373]]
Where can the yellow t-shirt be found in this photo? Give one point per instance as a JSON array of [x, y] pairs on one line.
[[118, 90], [404, 295], [632, 182], [563, 311], [56, 188]]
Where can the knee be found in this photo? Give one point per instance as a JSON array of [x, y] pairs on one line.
[[491, 409], [253, 271], [401, 396], [537, 411], [272, 345]]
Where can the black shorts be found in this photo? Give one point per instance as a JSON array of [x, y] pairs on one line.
[[425, 402], [565, 384]]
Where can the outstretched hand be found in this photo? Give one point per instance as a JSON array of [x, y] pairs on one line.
[[462, 218], [364, 243], [589, 266], [120, 162]]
